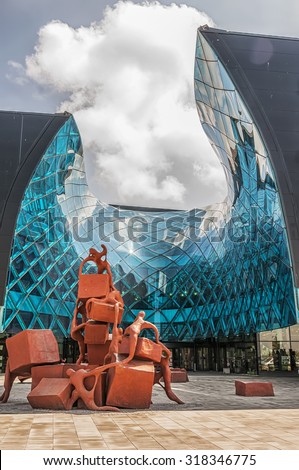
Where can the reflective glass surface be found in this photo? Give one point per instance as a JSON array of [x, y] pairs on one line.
[[209, 272], [44, 264]]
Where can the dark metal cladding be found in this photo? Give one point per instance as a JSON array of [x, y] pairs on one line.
[[265, 71], [23, 139]]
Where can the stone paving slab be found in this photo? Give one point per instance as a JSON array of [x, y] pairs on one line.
[[163, 430]]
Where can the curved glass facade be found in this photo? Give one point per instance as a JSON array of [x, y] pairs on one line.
[[204, 273], [44, 264]]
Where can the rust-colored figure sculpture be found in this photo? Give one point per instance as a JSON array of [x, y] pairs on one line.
[[164, 372], [95, 292], [114, 370]]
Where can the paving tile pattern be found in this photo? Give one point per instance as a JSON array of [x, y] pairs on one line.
[[164, 430]]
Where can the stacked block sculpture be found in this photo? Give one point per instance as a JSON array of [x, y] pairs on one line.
[[115, 368]]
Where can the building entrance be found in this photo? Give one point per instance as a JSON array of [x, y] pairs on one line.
[[236, 355]]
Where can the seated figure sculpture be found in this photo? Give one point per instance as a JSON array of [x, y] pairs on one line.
[[114, 370]]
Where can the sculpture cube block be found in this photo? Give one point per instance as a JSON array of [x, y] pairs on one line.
[[55, 371], [145, 349], [50, 393], [254, 389], [96, 333], [93, 285], [179, 375], [31, 347], [104, 312], [130, 385], [96, 352]]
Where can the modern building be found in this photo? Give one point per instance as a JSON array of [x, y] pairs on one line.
[[221, 283]]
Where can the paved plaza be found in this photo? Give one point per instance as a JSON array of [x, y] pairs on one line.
[[213, 417]]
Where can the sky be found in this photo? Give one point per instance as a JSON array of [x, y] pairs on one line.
[[125, 70]]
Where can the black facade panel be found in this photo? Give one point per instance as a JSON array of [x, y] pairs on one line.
[[267, 61], [24, 137], [32, 125], [279, 80], [250, 43]]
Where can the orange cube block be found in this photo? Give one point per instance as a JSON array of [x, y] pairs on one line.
[[96, 353], [145, 349], [31, 347], [96, 333], [130, 385], [179, 375], [51, 393], [93, 285], [55, 371], [104, 312], [254, 389]]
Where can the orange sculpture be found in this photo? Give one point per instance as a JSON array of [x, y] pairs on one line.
[[26, 350], [96, 301], [114, 370]]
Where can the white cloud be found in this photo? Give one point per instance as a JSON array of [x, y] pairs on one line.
[[17, 73], [130, 85]]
